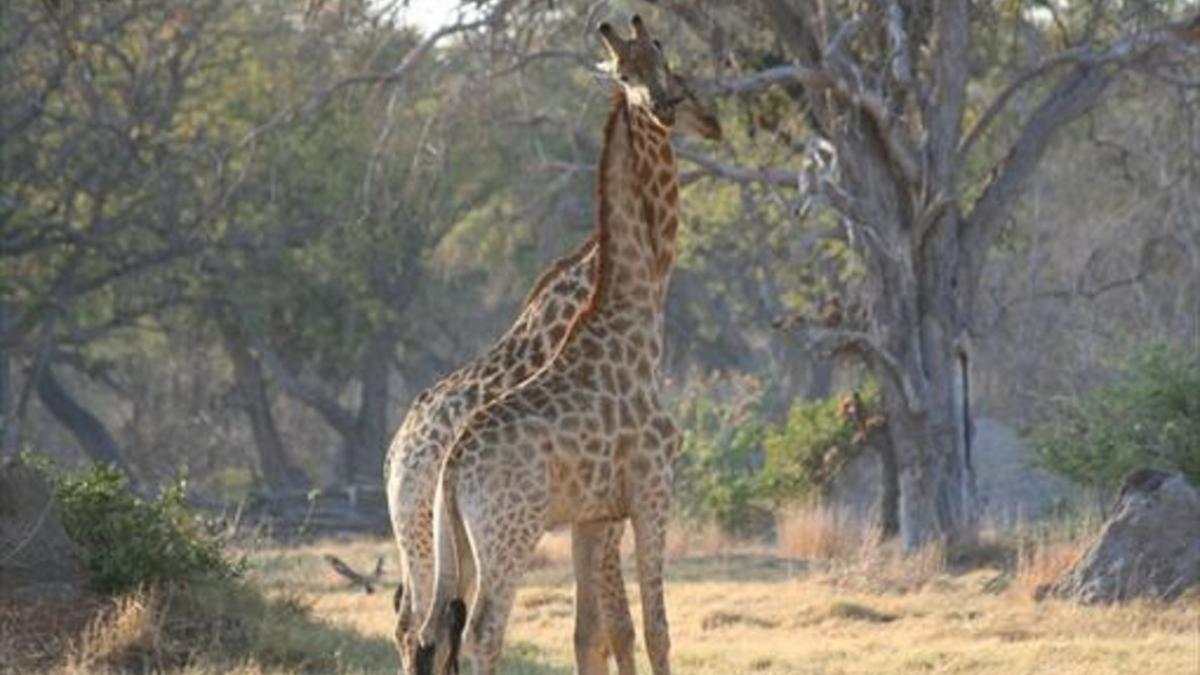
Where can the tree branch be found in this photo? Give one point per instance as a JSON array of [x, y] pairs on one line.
[[311, 393], [1127, 49], [318, 99], [1073, 96], [950, 72], [765, 79], [737, 174], [834, 340]]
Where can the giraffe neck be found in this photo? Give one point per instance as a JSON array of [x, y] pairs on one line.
[[636, 215], [557, 297]]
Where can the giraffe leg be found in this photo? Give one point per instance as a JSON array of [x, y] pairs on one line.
[[600, 600], [497, 580], [649, 530], [590, 656], [618, 623], [413, 527], [501, 549], [418, 590]]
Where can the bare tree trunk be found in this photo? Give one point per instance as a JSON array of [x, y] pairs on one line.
[[86, 428], [820, 378], [8, 408], [889, 495], [877, 438], [277, 469], [366, 450], [923, 389]]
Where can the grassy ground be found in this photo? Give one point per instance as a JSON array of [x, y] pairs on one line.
[[758, 613], [746, 612]]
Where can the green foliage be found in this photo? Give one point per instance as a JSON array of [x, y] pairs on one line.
[[806, 453], [1148, 417], [737, 468], [129, 541], [718, 478]]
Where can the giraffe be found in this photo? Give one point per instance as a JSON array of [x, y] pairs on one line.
[[586, 440], [436, 415]]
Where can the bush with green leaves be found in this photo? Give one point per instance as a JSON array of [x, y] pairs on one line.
[[717, 478], [737, 469], [805, 454], [128, 541], [1148, 417]]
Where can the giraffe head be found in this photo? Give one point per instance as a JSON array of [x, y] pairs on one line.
[[641, 69], [694, 115]]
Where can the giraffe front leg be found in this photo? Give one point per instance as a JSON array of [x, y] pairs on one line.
[[618, 623], [649, 530], [600, 601], [586, 543]]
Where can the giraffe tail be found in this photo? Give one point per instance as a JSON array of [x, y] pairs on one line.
[[454, 571]]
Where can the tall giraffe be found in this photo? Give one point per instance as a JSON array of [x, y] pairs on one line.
[[438, 413], [586, 440]]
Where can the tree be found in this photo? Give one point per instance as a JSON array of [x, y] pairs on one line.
[[105, 190], [885, 87], [321, 293]]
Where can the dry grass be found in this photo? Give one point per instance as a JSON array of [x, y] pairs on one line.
[[851, 553], [824, 533], [864, 610], [1040, 564], [871, 612], [118, 634]]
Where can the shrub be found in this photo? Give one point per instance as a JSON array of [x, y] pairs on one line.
[[129, 541], [717, 479], [737, 469], [1150, 417], [804, 454]]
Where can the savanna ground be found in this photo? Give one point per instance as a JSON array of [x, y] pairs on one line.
[[859, 609]]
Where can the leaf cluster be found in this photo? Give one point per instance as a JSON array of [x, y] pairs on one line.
[[738, 468], [129, 542], [1148, 417]]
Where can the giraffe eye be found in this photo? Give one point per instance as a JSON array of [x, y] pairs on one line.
[[657, 44], [624, 78]]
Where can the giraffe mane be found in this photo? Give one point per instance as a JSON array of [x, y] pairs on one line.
[[557, 267], [601, 265]]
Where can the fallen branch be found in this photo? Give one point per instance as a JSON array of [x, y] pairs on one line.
[[356, 579]]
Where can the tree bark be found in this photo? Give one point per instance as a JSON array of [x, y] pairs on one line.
[[278, 470], [921, 315], [877, 438], [889, 495]]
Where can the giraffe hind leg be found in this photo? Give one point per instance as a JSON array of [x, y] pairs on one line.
[[649, 530], [499, 562]]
